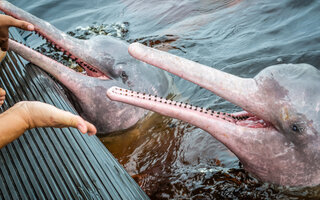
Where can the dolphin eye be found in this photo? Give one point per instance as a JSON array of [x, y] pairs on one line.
[[124, 76], [298, 128], [295, 128]]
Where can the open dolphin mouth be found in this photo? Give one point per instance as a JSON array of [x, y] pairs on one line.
[[237, 90], [51, 37], [89, 69], [155, 103]]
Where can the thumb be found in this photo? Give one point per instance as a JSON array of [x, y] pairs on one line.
[[44, 115], [66, 118], [86, 127]]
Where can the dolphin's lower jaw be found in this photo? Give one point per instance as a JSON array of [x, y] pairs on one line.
[[229, 128], [148, 101]]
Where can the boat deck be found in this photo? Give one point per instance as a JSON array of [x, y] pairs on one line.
[[51, 163]]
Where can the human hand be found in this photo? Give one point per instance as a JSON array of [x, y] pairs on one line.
[[6, 22], [2, 96], [38, 114]]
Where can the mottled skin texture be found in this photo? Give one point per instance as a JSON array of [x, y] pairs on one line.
[[276, 138], [101, 56]]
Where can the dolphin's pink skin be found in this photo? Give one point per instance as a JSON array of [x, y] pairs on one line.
[[107, 63], [276, 137]]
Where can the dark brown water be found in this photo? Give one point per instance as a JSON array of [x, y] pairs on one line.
[[168, 158]]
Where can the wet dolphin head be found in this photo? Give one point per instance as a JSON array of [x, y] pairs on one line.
[[276, 137], [291, 91], [106, 61], [110, 56]]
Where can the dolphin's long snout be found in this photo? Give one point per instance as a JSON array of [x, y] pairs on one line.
[[235, 89]]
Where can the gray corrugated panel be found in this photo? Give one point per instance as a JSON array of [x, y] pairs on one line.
[[50, 163]]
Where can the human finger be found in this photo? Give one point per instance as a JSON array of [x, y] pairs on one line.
[[2, 92], [19, 24], [5, 45], [2, 96], [86, 127], [65, 119], [23, 25], [91, 129]]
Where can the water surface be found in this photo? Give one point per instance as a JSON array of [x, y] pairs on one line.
[[170, 158]]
